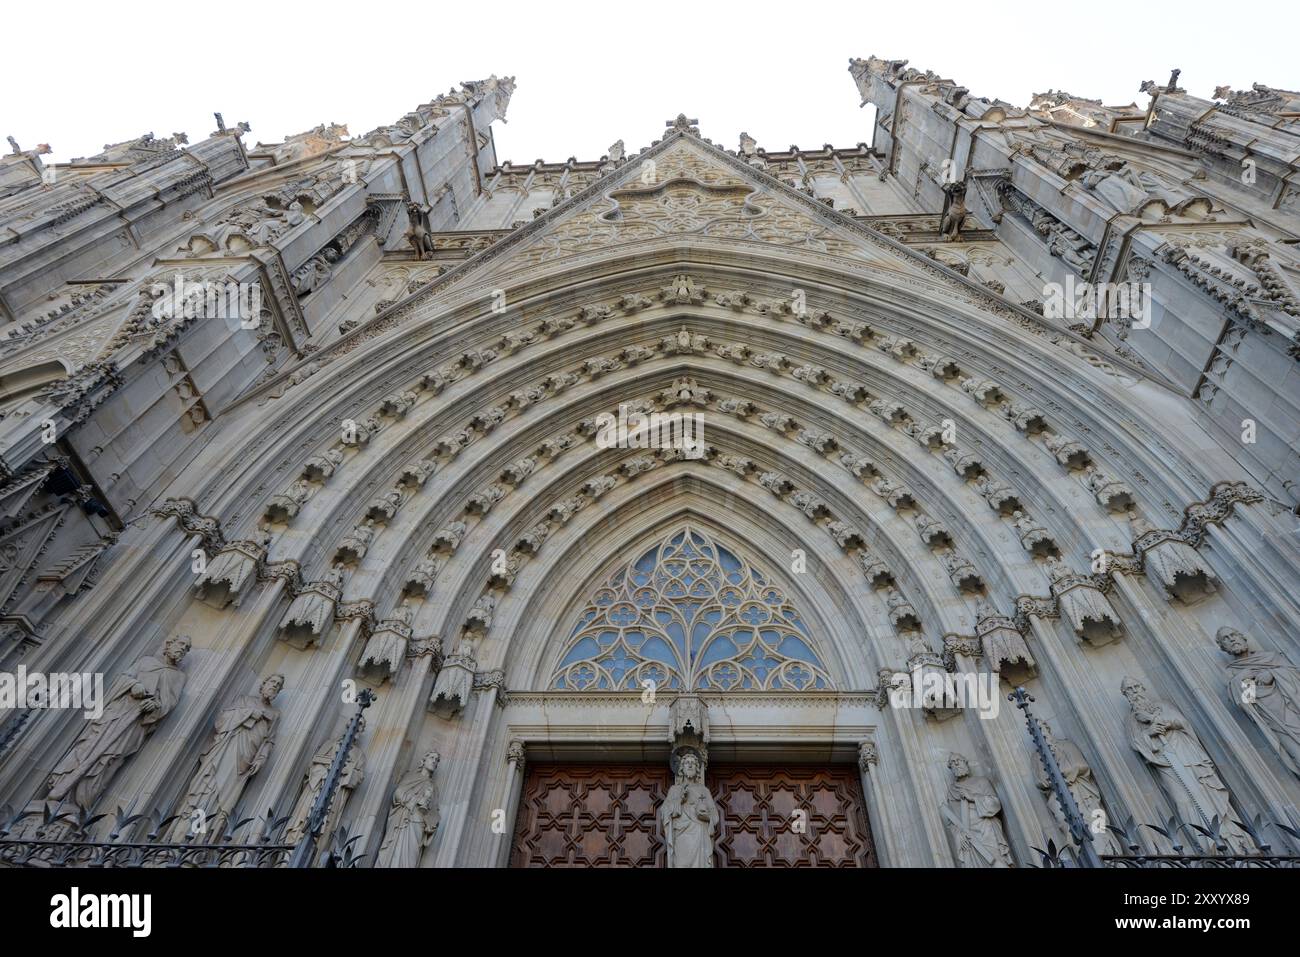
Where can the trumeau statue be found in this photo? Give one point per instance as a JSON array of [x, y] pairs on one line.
[[1267, 687], [689, 814], [413, 817], [135, 705], [242, 740], [971, 813], [353, 772], [1165, 740]]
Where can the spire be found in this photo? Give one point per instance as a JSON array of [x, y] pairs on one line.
[[501, 89]]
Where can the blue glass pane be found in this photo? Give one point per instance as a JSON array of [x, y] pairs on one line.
[[586, 648], [656, 649], [678, 637], [720, 649], [793, 647]]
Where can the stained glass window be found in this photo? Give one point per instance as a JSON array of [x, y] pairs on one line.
[[690, 614]]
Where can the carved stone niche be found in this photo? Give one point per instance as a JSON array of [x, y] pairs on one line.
[[962, 572], [312, 611], [285, 506], [354, 545], [320, 468], [1069, 453], [1033, 537], [902, 614], [455, 681], [414, 476], [1171, 562], [932, 531], [421, 579], [226, 575], [385, 650], [965, 464], [1083, 605], [1004, 648], [932, 686], [1111, 494]]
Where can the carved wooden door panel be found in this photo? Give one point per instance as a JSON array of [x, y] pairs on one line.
[[607, 816], [590, 816], [790, 817]]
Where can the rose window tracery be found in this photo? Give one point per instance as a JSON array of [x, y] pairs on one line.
[[689, 613]]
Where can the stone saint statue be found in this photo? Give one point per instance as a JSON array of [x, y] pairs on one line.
[[971, 813], [1084, 790], [138, 700], [241, 743], [1164, 738], [689, 815], [353, 772], [1267, 687], [412, 818]]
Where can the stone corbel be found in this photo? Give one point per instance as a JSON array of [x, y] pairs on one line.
[[957, 645], [290, 571], [688, 723], [868, 756], [516, 756], [489, 680], [186, 514]]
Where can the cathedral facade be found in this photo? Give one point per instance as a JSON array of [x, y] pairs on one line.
[[689, 506]]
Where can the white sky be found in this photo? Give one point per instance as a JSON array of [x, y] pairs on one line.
[[79, 75]]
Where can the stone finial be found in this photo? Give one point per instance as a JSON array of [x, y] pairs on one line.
[[683, 125]]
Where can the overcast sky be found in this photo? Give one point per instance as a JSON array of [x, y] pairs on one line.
[[79, 75]]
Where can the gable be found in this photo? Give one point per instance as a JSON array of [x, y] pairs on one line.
[[686, 190]]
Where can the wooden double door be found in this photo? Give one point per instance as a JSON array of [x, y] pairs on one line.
[[584, 815]]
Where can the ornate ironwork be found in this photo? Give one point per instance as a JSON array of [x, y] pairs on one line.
[[1079, 831], [99, 854], [64, 840], [305, 852]]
